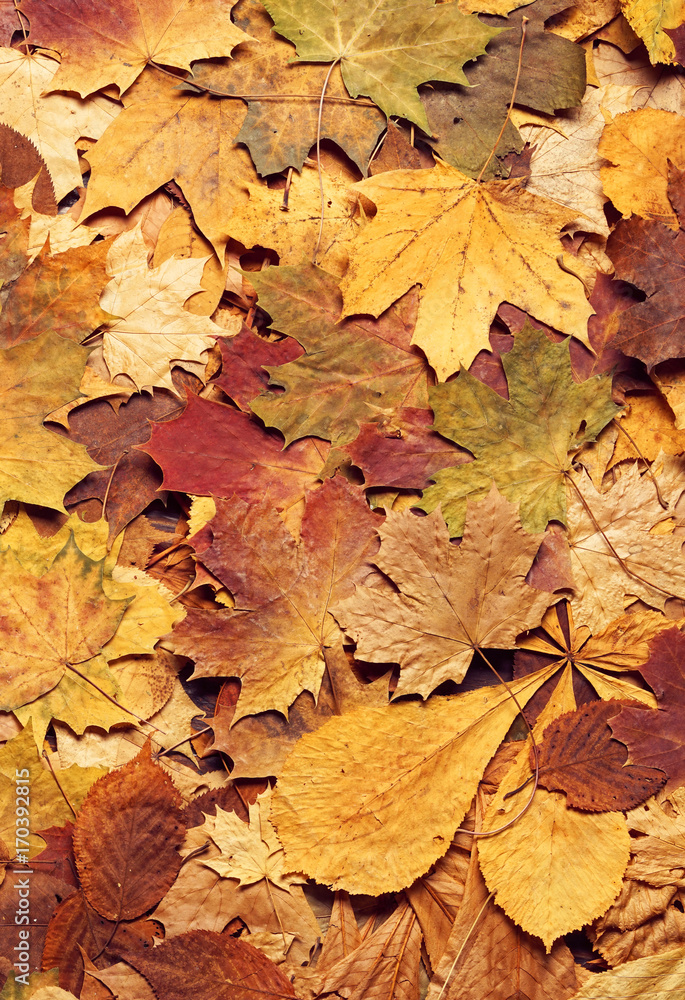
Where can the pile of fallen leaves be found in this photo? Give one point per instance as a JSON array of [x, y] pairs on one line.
[[343, 473]]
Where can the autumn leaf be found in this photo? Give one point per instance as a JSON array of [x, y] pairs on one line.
[[665, 974], [351, 371], [214, 449], [213, 965], [555, 868], [387, 51], [470, 246], [152, 330], [639, 145], [578, 756], [547, 415], [99, 45], [245, 359], [53, 622], [467, 119], [274, 639], [437, 619], [127, 864], [54, 122], [651, 21], [654, 737], [146, 146], [59, 293], [417, 760], [643, 564], [283, 98]]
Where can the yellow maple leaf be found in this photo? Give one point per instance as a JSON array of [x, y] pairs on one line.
[[471, 247], [648, 20]]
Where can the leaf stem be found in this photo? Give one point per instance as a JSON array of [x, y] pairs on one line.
[[524, 23], [318, 156]]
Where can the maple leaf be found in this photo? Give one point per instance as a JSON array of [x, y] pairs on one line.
[[202, 899], [565, 163], [451, 600], [49, 806], [215, 965], [99, 45], [15, 237], [404, 451], [547, 415], [651, 256], [259, 744], [52, 623], [283, 99], [127, 864], [649, 566], [351, 371], [578, 756], [147, 146], [53, 123], [470, 246], [362, 834], [244, 363], [639, 145], [654, 737], [467, 120], [59, 293], [152, 330], [38, 466], [656, 855], [214, 449], [585, 854], [291, 233], [274, 639], [385, 51]]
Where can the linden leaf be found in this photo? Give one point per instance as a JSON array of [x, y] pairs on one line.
[[52, 622], [387, 50], [650, 21], [471, 247], [370, 800], [555, 868], [206, 964], [547, 417], [100, 44], [351, 371], [275, 637], [451, 600], [37, 465], [125, 839], [578, 756], [52, 123]]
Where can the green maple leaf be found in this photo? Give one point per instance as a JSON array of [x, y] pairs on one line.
[[526, 443], [386, 48], [358, 370]]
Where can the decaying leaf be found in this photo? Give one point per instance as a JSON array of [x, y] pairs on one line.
[[547, 415], [451, 600]]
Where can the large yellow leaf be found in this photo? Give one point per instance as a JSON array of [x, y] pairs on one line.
[[555, 868], [471, 247], [370, 800], [659, 977], [52, 123]]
